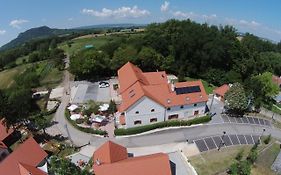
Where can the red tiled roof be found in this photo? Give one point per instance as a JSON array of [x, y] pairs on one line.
[[156, 87], [276, 80], [155, 164], [222, 90], [30, 170], [28, 153], [110, 152], [4, 133]]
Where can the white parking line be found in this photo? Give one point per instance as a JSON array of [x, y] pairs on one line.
[[238, 139], [214, 142], [246, 139]]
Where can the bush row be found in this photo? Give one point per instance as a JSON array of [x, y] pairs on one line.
[[46, 113], [87, 130], [171, 123]]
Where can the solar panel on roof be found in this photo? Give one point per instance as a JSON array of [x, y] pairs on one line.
[[187, 90]]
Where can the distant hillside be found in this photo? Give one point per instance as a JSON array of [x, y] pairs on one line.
[[34, 33], [44, 32]]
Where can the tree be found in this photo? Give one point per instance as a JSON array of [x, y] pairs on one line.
[[122, 55], [42, 123], [112, 107], [236, 99], [263, 89], [149, 59], [63, 166]]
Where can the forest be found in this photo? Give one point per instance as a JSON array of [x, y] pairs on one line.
[[184, 48]]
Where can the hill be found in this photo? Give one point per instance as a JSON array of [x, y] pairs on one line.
[[44, 32]]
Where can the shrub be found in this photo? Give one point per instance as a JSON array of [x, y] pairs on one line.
[[79, 120], [267, 139], [171, 123], [253, 155], [239, 155]]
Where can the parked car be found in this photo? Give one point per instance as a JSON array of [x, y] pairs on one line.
[[103, 84]]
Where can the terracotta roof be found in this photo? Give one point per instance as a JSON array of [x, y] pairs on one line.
[[110, 152], [154, 164], [30, 170], [156, 87], [222, 90], [3, 145], [28, 153], [4, 133], [276, 80]]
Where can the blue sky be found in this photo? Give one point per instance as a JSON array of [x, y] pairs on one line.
[[261, 17]]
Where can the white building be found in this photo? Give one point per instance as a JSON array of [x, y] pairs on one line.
[[147, 97]]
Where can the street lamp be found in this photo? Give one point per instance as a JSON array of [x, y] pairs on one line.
[[263, 130], [222, 142]]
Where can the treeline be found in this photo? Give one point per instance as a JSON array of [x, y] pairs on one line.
[[184, 48]]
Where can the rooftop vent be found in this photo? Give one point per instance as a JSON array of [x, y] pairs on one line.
[[187, 98], [98, 162], [200, 96]]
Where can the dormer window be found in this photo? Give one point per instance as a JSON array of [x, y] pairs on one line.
[[187, 98], [181, 106], [195, 104]]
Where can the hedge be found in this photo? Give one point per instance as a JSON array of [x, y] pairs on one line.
[[87, 130], [171, 123], [45, 113]]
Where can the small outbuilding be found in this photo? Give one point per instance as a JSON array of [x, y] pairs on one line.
[[220, 91]]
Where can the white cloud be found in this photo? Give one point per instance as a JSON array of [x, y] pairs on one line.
[[122, 12], [164, 7], [17, 23], [70, 19], [181, 14], [2, 32]]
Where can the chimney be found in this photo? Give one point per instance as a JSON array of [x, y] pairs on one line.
[[173, 87], [98, 162], [168, 101]]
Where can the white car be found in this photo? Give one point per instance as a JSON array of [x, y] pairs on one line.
[[103, 84]]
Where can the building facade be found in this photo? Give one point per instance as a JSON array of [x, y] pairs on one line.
[[148, 97]]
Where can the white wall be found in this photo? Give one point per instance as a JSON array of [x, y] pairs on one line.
[[187, 111], [144, 106]]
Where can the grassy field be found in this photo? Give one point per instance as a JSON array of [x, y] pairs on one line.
[[49, 75], [79, 44], [265, 160], [216, 162], [7, 76], [20, 60], [209, 88]]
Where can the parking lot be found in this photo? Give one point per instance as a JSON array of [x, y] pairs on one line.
[[217, 142], [246, 120]]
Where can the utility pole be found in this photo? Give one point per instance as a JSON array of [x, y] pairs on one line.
[[222, 142]]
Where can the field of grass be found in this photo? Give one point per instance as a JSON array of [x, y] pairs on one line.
[[209, 88], [20, 60], [265, 160], [49, 75], [79, 44], [214, 162], [7, 76]]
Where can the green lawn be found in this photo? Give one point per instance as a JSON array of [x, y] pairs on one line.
[[19, 61], [209, 88], [7, 76], [79, 44]]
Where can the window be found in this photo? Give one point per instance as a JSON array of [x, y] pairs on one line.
[[137, 122], [168, 109], [152, 110], [181, 106], [153, 120], [195, 104], [174, 116], [196, 112], [122, 113], [137, 112]]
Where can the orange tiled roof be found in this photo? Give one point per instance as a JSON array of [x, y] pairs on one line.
[[28, 153], [222, 90], [155, 164], [110, 152], [29, 170], [4, 133], [154, 85], [276, 80]]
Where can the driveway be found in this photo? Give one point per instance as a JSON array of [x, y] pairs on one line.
[[215, 107]]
